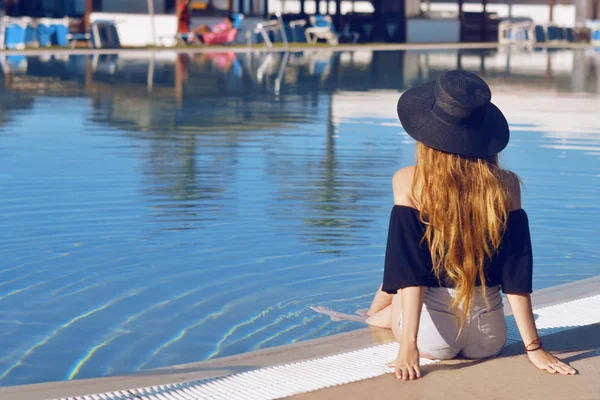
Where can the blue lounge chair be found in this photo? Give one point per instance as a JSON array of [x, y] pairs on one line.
[[13, 33], [554, 33], [31, 37], [521, 31], [60, 32], [45, 30], [321, 28], [595, 36]]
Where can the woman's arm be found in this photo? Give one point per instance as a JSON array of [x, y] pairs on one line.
[[407, 362], [523, 313]]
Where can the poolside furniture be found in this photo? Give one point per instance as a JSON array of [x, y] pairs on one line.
[[321, 28], [595, 36], [31, 38], [527, 32], [102, 35], [540, 34], [45, 29], [517, 31], [297, 26], [237, 20], [13, 34], [60, 28], [570, 35], [554, 33], [17, 33], [75, 38], [72, 39], [594, 27], [265, 28], [348, 35]]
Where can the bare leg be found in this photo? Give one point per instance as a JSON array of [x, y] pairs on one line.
[[338, 316], [380, 301], [202, 29], [382, 318]]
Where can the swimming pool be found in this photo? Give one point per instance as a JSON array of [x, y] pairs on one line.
[[160, 209]]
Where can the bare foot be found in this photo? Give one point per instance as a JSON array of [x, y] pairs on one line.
[[424, 358], [338, 316]]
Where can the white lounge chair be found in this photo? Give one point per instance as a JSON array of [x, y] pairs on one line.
[[265, 27], [321, 28], [516, 32]]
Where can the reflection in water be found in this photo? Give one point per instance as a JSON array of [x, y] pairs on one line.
[[184, 207]]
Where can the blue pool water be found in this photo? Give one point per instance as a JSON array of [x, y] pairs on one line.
[[162, 209]]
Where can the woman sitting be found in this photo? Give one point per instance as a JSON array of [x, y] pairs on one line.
[[457, 235]]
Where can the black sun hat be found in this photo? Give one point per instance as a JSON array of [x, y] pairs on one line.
[[455, 115]]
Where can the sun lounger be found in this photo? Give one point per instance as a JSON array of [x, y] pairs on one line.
[[517, 32], [18, 33], [75, 38], [264, 29], [321, 28], [594, 28]]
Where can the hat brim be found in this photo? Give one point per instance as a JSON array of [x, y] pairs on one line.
[[414, 111]]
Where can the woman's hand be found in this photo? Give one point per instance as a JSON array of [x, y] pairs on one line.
[[547, 362], [407, 362]]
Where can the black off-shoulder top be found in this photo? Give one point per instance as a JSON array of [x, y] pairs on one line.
[[408, 260]]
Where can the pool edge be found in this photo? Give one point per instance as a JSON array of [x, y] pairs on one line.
[[261, 358]]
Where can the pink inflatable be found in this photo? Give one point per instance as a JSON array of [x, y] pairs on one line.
[[219, 37]]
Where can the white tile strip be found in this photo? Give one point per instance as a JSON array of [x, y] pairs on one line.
[[305, 376]]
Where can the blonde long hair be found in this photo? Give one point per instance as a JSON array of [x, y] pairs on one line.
[[465, 205]]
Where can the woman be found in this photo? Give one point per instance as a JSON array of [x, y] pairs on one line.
[[457, 234], [223, 32], [183, 17]]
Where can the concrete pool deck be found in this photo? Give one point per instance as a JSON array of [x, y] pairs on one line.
[[507, 376]]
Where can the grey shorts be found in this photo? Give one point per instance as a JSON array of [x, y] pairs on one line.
[[484, 332]]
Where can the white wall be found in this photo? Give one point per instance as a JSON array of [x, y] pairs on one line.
[[136, 29]]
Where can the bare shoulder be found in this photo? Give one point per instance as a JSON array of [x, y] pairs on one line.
[[402, 185], [513, 185]]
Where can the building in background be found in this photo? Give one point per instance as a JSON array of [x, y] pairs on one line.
[[44, 8], [148, 22]]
